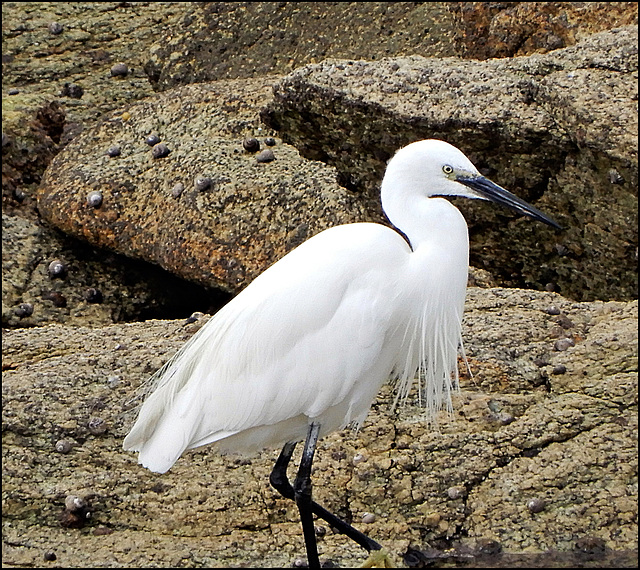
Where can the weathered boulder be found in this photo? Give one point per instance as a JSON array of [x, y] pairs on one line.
[[49, 46], [246, 39], [209, 211], [495, 29], [57, 81], [559, 129], [542, 449], [48, 276], [549, 416], [31, 131], [515, 118]]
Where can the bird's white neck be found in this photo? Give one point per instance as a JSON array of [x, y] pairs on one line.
[[434, 293], [428, 222]]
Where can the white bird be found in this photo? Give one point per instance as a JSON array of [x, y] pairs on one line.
[[305, 348]]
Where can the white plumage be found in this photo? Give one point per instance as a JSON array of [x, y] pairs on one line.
[[315, 336]]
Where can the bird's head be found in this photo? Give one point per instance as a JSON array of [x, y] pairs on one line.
[[432, 168]]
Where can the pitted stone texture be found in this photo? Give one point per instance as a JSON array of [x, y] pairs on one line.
[[235, 39], [519, 432], [223, 235], [558, 129]]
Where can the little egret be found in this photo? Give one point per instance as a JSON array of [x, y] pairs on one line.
[[305, 348]]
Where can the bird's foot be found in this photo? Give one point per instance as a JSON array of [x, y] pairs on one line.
[[379, 559]]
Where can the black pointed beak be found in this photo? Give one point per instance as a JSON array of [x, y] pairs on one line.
[[491, 191]]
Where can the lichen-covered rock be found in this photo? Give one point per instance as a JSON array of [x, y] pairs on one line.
[[558, 428], [231, 39], [234, 215], [494, 29], [58, 79], [94, 37], [559, 129], [95, 288], [32, 126]]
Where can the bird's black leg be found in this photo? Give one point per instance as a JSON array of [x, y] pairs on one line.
[[278, 477], [280, 482], [302, 490], [345, 528]]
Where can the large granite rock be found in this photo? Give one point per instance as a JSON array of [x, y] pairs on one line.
[[90, 38], [542, 450], [507, 29], [543, 419], [543, 126], [220, 234], [56, 66], [92, 287], [238, 39], [57, 81], [515, 118], [47, 45]]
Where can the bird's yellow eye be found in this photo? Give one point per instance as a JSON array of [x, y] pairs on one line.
[[447, 169]]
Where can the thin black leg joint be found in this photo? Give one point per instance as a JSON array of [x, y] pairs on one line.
[[300, 492]]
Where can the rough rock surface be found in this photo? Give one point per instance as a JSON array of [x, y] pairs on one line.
[[172, 43], [497, 29], [57, 81], [94, 37], [514, 117], [27, 145], [94, 288], [542, 449], [558, 129], [245, 39], [524, 429], [53, 85], [223, 234]]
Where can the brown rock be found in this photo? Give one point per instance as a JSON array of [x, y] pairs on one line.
[[543, 126], [572, 443], [221, 234]]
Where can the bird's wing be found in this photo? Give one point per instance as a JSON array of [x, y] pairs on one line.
[[293, 343]]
